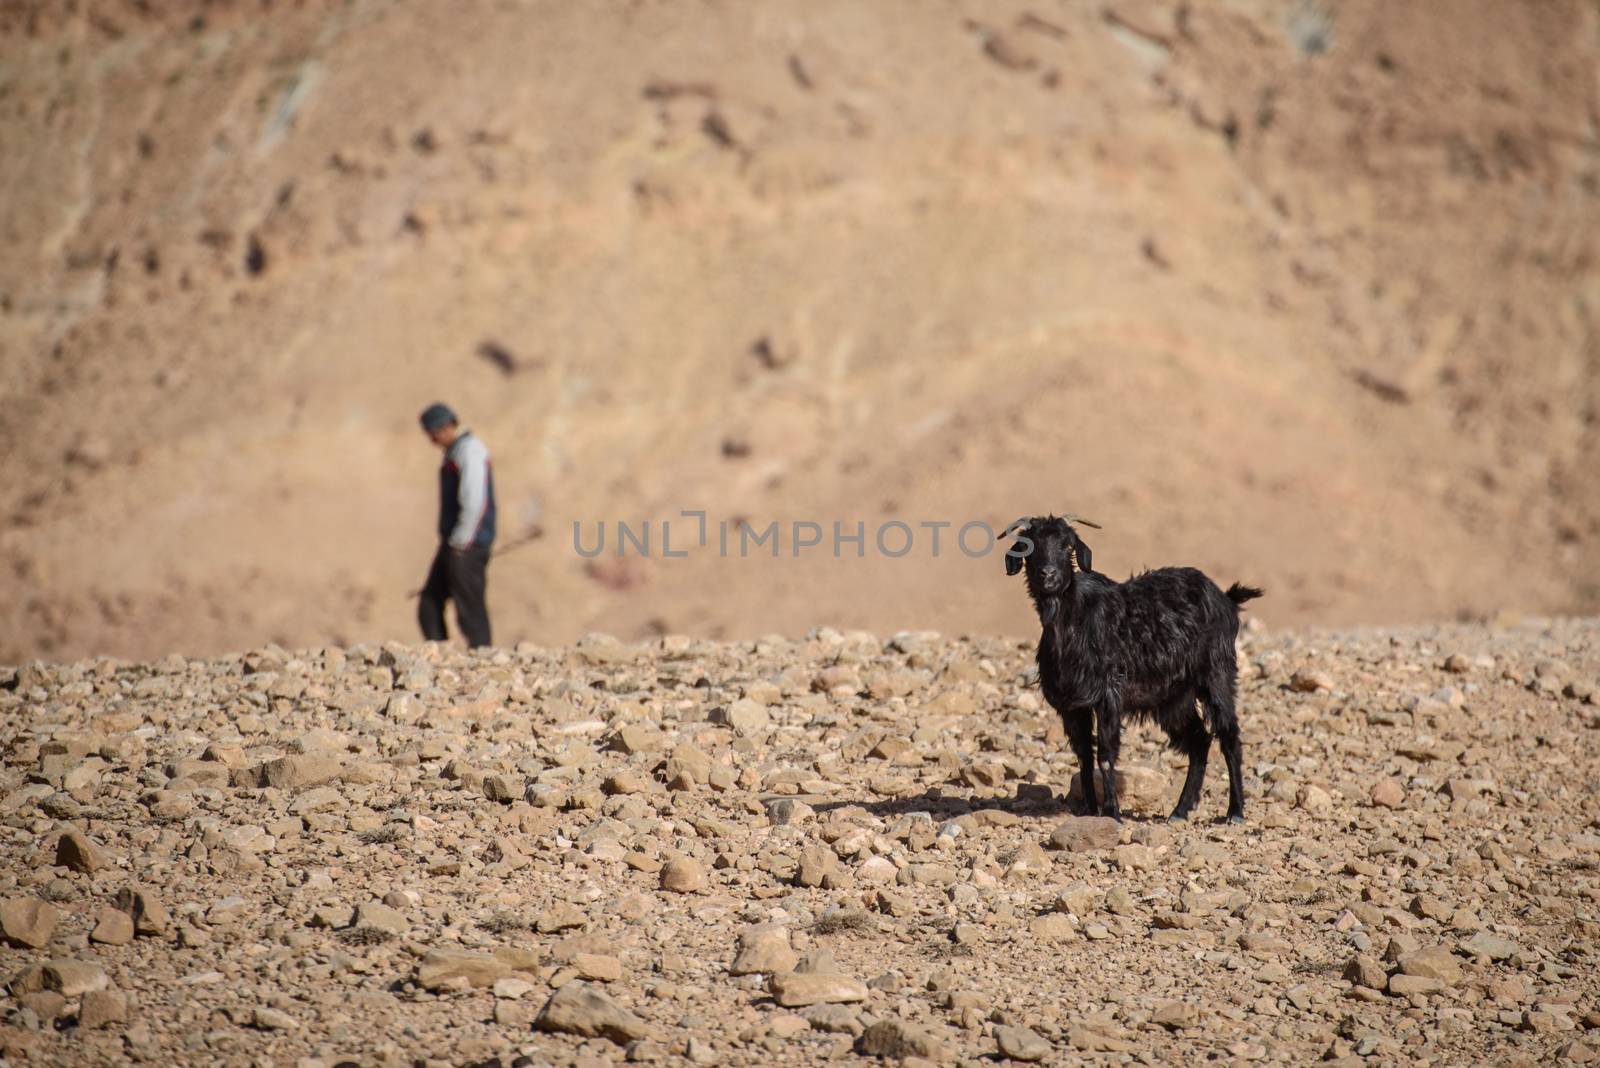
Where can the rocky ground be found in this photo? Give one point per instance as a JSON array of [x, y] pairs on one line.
[[789, 851]]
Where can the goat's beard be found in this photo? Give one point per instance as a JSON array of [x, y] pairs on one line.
[[1048, 605]]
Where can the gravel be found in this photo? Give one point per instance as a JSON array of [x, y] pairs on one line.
[[784, 851]]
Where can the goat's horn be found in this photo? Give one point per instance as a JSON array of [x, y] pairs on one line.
[[1072, 517]]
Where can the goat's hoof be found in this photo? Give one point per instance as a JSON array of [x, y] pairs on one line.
[[1178, 817], [1236, 817]]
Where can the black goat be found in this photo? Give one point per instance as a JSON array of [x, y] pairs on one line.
[[1149, 647]]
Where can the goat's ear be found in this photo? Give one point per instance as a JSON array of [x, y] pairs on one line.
[[1080, 551], [1020, 548]]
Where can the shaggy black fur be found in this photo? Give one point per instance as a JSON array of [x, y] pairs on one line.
[[1148, 647]]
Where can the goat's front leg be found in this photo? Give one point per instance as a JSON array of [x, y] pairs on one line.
[[1109, 728], [1080, 732]]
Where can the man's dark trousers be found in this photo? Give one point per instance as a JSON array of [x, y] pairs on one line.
[[460, 577]]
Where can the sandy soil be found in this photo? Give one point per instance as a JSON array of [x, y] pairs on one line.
[[1300, 293]]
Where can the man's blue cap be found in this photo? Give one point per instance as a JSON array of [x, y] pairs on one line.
[[435, 416]]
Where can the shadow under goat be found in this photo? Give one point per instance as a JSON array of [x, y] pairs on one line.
[[1150, 647]]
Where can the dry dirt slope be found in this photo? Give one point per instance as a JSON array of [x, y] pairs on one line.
[[784, 852], [1302, 293]]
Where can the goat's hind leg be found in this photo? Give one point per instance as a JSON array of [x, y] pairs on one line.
[[1187, 733], [1218, 699]]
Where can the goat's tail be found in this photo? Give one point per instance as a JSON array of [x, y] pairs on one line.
[[1239, 593]]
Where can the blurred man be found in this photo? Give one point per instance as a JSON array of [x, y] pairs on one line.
[[466, 530]]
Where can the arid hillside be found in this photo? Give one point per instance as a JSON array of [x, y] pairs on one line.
[[1302, 293]]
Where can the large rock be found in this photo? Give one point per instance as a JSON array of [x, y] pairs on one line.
[[27, 922], [1364, 971], [637, 738], [685, 768], [149, 915], [505, 788], [783, 811], [601, 967], [78, 851], [298, 772], [1175, 1015], [1138, 787], [877, 870], [101, 1008], [1078, 899], [1307, 680], [1099, 1038], [440, 969], [580, 1009], [228, 910], [1313, 799], [29, 980], [1467, 789], [320, 740], [1402, 985], [48, 1005], [1020, 1044], [898, 1040], [72, 978], [817, 862], [683, 875], [1265, 943], [792, 989], [746, 716], [1052, 927], [316, 799], [764, 949], [928, 875], [1484, 944], [377, 914], [1388, 793], [1435, 962], [199, 773], [561, 917], [112, 927], [1085, 834], [266, 1018]]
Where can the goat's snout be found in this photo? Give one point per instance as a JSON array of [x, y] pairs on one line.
[[1052, 578]]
